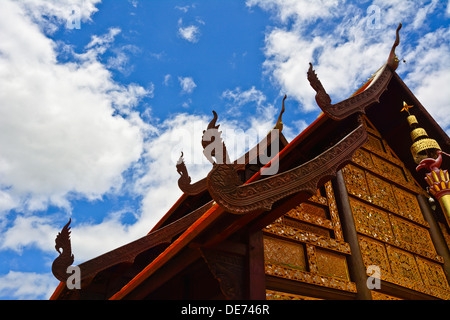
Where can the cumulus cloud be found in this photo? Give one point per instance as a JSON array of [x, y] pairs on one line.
[[51, 14], [240, 98], [61, 136], [187, 84], [190, 33], [347, 43], [431, 57], [300, 11], [27, 285]]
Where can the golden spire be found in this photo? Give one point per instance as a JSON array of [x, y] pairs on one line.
[[406, 107], [423, 147]]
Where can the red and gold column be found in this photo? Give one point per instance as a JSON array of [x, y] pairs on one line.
[[439, 185], [428, 155]]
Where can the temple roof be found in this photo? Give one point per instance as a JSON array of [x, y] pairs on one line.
[[198, 220]]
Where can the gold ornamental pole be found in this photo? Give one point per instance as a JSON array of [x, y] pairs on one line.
[[438, 182], [428, 155]]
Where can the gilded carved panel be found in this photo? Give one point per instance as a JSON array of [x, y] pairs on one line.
[[362, 158], [371, 221], [432, 273], [388, 169], [355, 180], [279, 295], [309, 209], [412, 237], [381, 192], [404, 267], [382, 296], [408, 206], [392, 231], [305, 226], [332, 264], [374, 253], [284, 253], [315, 227], [374, 143]]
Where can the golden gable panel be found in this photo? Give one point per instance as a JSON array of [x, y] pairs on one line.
[[412, 237], [404, 267], [408, 205], [381, 193], [315, 227], [392, 231], [285, 253], [371, 221], [332, 264], [374, 143], [388, 169], [355, 180], [432, 273], [374, 253]]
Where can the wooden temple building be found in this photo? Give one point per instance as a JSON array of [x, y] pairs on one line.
[[360, 196]]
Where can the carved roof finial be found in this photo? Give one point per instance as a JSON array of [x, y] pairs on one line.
[[65, 258], [279, 124], [392, 61]]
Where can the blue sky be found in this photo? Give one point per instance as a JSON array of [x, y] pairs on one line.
[[98, 99]]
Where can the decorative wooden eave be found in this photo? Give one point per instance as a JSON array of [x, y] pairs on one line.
[[129, 252], [262, 194], [164, 232], [367, 95]]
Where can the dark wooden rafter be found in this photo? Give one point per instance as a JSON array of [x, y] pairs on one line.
[[360, 101], [262, 194]]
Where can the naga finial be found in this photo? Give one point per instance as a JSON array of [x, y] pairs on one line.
[[212, 143], [322, 98], [65, 258], [392, 61], [279, 124]]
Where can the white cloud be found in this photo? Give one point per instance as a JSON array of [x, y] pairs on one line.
[[134, 3], [103, 40], [60, 137], [300, 11], [187, 84], [27, 285], [431, 57], [190, 33], [30, 231], [240, 98], [167, 79], [185, 8], [50, 14], [346, 47], [155, 179]]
